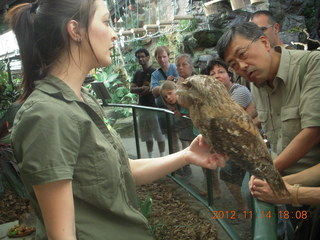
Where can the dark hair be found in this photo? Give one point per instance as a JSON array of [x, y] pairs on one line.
[[40, 29], [142, 50], [161, 49], [218, 62], [248, 30], [271, 18]]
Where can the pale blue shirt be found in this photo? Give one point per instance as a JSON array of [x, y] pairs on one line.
[[157, 78]]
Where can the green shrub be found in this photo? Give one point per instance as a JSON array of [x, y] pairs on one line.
[[9, 91]]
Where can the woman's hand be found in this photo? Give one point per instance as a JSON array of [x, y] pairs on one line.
[[177, 113], [180, 80], [170, 78], [262, 191], [200, 153]]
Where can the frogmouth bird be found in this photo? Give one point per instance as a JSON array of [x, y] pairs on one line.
[[227, 128]]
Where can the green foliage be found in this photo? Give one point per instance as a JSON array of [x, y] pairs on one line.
[[188, 25], [9, 173], [145, 206], [310, 13], [123, 95], [9, 91], [108, 77], [131, 61], [122, 112], [116, 80], [296, 29], [163, 41]]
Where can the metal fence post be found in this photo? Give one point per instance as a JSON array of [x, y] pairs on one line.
[[169, 133], [136, 133]]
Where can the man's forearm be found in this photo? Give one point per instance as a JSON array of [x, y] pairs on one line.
[[298, 147], [309, 177]]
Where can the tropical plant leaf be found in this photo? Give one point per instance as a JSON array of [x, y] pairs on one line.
[[10, 173], [145, 206], [112, 77]]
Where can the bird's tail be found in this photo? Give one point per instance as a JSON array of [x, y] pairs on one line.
[[277, 185]]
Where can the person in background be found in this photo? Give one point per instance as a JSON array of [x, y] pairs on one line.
[[167, 71], [220, 70], [285, 90], [148, 121], [305, 193], [231, 174], [184, 67], [73, 164], [182, 126], [168, 93], [285, 95], [269, 26]]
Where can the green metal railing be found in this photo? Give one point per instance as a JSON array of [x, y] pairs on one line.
[[262, 226]]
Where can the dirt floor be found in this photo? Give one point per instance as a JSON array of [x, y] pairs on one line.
[[12, 207], [175, 214]]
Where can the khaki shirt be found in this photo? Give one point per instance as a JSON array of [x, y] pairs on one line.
[[288, 108], [56, 137]]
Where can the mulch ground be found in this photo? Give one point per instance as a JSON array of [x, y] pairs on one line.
[[173, 217], [12, 207]]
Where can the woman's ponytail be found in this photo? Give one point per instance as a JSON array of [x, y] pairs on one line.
[[21, 20], [40, 29]]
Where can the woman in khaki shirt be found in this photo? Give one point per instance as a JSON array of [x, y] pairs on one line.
[[79, 178]]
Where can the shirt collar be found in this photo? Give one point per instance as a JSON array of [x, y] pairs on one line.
[[284, 64], [57, 88], [282, 68]]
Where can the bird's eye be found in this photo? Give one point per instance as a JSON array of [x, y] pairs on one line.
[[187, 84]]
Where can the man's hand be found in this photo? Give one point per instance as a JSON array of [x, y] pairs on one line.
[[145, 90], [262, 191]]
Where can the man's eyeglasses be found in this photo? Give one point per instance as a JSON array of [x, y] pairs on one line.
[[264, 28], [241, 55]]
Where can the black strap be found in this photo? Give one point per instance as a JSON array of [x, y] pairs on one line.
[[163, 73]]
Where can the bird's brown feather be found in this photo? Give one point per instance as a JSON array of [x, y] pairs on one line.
[[227, 127]]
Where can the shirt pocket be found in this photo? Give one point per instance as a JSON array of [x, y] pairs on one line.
[[97, 177], [291, 124]]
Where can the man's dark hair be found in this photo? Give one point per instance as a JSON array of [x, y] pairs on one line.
[[218, 62], [271, 18], [142, 50], [248, 30]]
